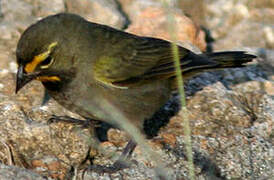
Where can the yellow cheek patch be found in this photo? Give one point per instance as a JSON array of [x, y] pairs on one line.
[[30, 67], [48, 78]]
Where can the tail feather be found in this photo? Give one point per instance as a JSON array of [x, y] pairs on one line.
[[230, 58], [192, 64], [218, 60]]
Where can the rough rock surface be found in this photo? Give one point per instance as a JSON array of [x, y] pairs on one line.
[[231, 112], [241, 23], [153, 22], [12, 172], [148, 18]]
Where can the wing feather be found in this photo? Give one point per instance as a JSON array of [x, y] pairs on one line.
[[137, 60]]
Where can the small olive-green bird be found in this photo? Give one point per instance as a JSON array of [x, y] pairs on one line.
[[80, 63]]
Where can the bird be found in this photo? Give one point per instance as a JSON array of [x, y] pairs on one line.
[[81, 63]]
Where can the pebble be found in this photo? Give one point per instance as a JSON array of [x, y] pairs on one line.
[[13, 67], [269, 35]]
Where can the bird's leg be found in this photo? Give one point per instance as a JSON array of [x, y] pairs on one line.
[[66, 119], [121, 163], [126, 154]]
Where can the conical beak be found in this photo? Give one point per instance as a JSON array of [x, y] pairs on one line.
[[22, 78]]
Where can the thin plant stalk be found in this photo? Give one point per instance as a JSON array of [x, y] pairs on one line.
[[180, 82], [124, 123]]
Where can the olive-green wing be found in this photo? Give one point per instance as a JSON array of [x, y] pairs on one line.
[[133, 60], [137, 59]]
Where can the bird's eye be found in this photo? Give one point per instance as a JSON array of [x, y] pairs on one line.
[[46, 63]]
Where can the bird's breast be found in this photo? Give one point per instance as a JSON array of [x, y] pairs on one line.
[[92, 100]]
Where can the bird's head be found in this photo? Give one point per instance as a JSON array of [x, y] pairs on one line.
[[43, 51]]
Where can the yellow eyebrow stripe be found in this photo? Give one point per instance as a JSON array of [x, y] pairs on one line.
[[30, 67], [36, 60]]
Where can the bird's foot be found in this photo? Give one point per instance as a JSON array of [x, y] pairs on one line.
[[117, 166], [66, 119], [123, 162]]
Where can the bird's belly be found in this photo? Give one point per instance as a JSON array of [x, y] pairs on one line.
[[101, 103]]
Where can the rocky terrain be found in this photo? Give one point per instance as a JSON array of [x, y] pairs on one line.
[[231, 112]]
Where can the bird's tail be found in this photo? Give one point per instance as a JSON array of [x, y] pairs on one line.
[[230, 59], [218, 60]]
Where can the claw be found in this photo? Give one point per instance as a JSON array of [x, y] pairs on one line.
[[120, 164], [67, 119], [117, 166]]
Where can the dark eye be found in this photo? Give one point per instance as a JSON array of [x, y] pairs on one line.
[[46, 63]]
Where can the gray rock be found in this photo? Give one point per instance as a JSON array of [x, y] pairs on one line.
[[32, 139], [241, 23], [12, 172], [233, 127]]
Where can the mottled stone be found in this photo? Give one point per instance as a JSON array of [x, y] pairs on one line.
[[12, 172], [99, 11], [153, 22], [241, 23]]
